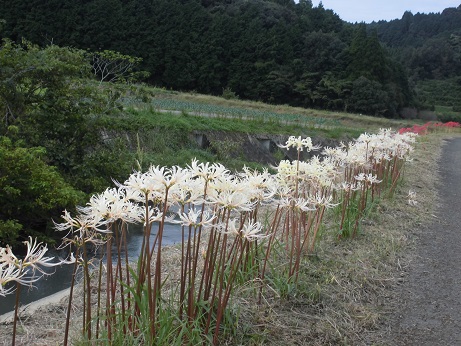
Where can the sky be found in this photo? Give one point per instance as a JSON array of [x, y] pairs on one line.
[[375, 10]]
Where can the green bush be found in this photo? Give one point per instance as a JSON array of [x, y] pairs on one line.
[[228, 94], [31, 192]]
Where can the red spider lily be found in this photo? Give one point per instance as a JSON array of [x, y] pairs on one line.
[[423, 129]]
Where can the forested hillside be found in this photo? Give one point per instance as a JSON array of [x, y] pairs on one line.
[[273, 51], [429, 47]]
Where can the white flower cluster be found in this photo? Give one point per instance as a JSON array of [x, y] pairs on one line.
[[209, 189], [412, 198], [206, 189], [23, 271], [299, 144]]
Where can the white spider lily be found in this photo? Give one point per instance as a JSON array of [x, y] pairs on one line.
[[112, 205], [318, 173], [349, 187], [325, 201], [13, 269], [154, 215], [138, 186], [11, 273], [81, 223], [337, 156], [412, 198], [7, 256], [253, 231], [300, 144], [372, 179], [188, 191], [304, 205], [167, 177], [261, 187], [232, 200], [72, 259], [196, 219], [299, 203], [286, 169], [228, 184], [285, 202], [82, 228], [35, 256], [368, 178], [284, 192], [250, 231], [207, 171]]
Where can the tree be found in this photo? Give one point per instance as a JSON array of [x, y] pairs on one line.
[[369, 97], [53, 115], [46, 94], [366, 56], [111, 66]]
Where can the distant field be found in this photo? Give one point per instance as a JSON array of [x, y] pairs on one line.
[[205, 105], [204, 109]]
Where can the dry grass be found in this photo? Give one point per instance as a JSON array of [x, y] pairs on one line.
[[345, 290]]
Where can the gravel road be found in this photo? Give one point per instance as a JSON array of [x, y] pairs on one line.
[[429, 309]]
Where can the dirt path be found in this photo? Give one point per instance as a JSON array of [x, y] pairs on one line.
[[429, 307]]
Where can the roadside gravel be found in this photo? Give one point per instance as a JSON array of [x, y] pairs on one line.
[[428, 306]]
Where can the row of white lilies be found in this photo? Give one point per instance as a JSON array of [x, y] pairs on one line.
[[230, 223]]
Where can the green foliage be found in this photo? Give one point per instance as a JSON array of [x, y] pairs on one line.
[[31, 192], [50, 99], [112, 161], [427, 44], [379, 84], [57, 114], [429, 48], [446, 114], [226, 149], [440, 92], [9, 231], [228, 94], [44, 94]]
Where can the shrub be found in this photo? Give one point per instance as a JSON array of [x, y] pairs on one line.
[[228, 94], [31, 192]]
